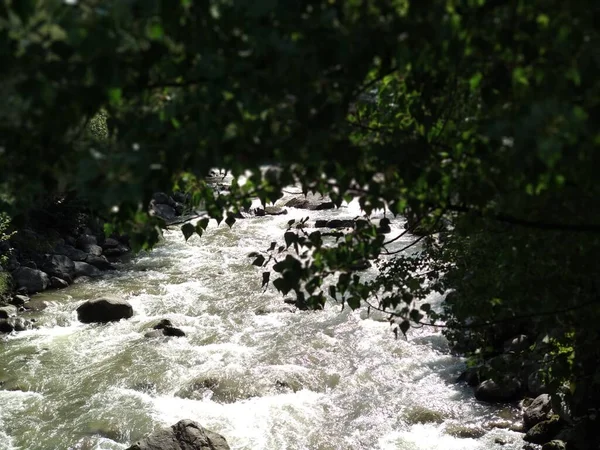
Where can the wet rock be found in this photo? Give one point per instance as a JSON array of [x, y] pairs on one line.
[[269, 211], [218, 390], [506, 390], [100, 262], [544, 431], [165, 212], [153, 334], [362, 264], [116, 251], [420, 414], [172, 331], [29, 264], [163, 323], [335, 223], [539, 410], [313, 202], [20, 300], [59, 266], [31, 279], [469, 376], [74, 254], [83, 269], [467, 431], [184, 435], [165, 328], [104, 310], [554, 445], [14, 324], [8, 311], [57, 283], [36, 305]]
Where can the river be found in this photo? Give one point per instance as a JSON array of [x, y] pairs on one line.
[[250, 368]]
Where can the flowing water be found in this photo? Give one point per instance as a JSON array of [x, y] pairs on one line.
[[250, 368]]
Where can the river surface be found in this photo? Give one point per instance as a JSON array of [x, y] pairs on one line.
[[250, 368]]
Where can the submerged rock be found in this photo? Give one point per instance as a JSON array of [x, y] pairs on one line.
[[497, 392], [7, 311], [58, 283], [184, 435], [104, 310], [313, 202]]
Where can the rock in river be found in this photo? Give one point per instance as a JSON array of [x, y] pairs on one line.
[[104, 310], [184, 435], [31, 279]]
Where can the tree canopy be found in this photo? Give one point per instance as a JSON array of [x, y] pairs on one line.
[[475, 119]]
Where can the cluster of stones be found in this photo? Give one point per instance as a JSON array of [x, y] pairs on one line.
[[70, 258], [504, 379]]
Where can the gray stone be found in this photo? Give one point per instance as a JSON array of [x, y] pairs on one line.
[[93, 249], [102, 310], [20, 300], [539, 410], [110, 243], [544, 431], [536, 384], [83, 269], [8, 311], [184, 435], [492, 391], [85, 240], [470, 376], [59, 266], [6, 326], [153, 334], [116, 251], [100, 262], [58, 283], [172, 331], [554, 445], [31, 279], [313, 202], [71, 252], [36, 305], [165, 212], [335, 223]]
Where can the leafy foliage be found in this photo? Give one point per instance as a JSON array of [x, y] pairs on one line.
[[476, 120]]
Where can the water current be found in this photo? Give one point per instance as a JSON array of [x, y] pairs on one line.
[[250, 368]]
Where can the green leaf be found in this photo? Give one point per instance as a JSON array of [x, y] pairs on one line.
[[259, 261], [203, 223], [404, 326], [188, 229], [290, 238], [265, 278], [230, 221]]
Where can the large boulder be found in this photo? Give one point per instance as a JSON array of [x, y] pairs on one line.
[[83, 269], [59, 266], [163, 199], [544, 431], [184, 435], [74, 254], [7, 311], [102, 310], [505, 390], [33, 280], [539, 410], [100, 262], [165, 212]]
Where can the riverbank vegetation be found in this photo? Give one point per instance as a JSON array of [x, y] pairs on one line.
[[476, 120]]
